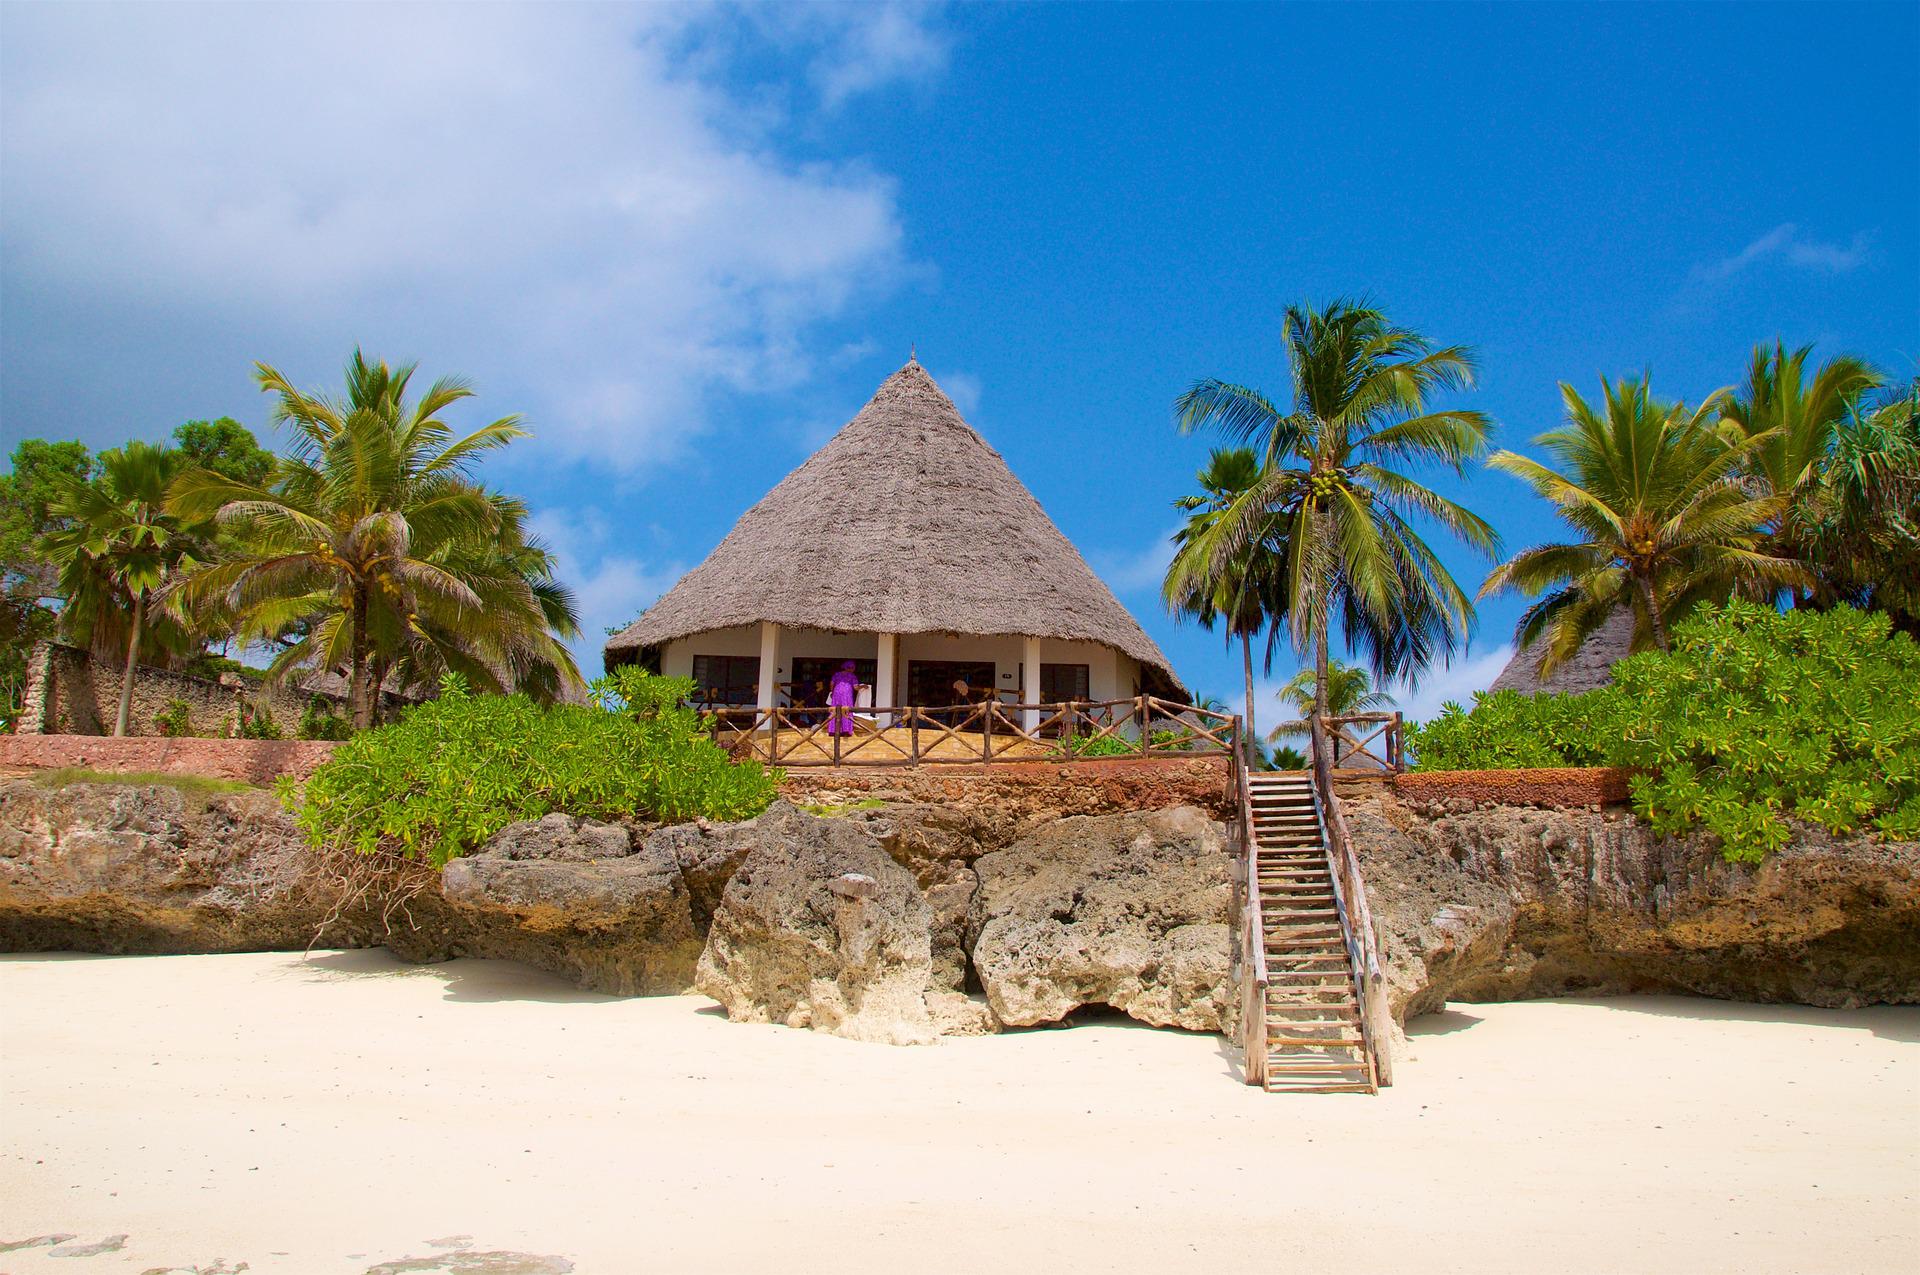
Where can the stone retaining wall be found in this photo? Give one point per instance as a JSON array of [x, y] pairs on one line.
[[1559, 788], [253, 761], [69, 692], [1060, 788]]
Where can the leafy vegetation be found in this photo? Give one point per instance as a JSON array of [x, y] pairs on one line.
[[1349, 690], [1330, 502], [119, 547], [372, 549], [174, 720], [1666, 518], [319, 721], [1754, 717], [1245, 589], [457, 769], [1075, 745], [255, 722]]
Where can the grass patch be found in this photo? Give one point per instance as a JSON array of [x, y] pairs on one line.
[[193, 785]]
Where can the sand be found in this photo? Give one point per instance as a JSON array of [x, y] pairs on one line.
[[347, 1113]]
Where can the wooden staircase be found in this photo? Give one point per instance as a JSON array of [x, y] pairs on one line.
[[1306, 977]]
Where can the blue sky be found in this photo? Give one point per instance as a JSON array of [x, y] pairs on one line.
[[687, 242]]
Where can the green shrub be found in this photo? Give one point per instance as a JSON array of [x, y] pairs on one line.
[[1754, 717], [1286, 757], [455, 770], [175, 720], [256, 723], [1506, 730], [1093, 746], [319, 721]]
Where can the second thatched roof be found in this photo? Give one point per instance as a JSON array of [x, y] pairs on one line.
[[1590, 667], [905, 522]]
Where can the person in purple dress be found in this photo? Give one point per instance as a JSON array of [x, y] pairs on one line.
[[845, 689]]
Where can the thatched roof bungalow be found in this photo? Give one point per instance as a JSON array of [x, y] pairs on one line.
[[1590, 667], [906, 545]]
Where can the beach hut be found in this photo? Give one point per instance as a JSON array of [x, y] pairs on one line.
[[1590, 667], [907, 546]]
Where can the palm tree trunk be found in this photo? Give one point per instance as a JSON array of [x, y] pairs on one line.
[[1250, 747], [1655, 620], [358, 704], [122, 718], [1321, 741], [1323, 534]]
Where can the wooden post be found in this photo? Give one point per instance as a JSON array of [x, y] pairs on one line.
[[1140, 719], [913, 733], [883, 679], [1030, 683], [769, 659]]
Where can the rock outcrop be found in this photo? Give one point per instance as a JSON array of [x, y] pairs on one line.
[[151, 868], [582, 899], [878, 923], [821, 928], [1123, 910], [1484, 902]]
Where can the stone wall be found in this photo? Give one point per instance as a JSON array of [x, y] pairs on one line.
[[252, 761], [71, 693], [1020, 791]]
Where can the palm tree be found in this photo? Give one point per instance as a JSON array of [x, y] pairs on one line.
[[1795, 420], [1655, 494], [1337, 511], [373, 547], [1860, 522], [1244, 589], [120, 549], [1349, 690]]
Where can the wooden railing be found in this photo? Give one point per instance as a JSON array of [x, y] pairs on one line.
[[1357, 930], [1360, 741], [987, 731], [1249, 957]]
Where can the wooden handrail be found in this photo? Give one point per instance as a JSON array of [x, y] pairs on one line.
[[1253, 998], [1357, 930], [979, 731]]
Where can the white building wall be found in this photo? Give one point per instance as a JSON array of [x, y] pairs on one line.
[[1111, 674]]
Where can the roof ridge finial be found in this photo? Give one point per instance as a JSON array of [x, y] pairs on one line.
[[913, 351]]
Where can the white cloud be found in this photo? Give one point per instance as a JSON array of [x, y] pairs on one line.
[[609, 588], [963, 388], [878, 45], [543, 196], [1458, 683], [1786, 243]]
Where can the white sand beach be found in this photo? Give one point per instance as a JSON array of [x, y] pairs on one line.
[[347, 1113]]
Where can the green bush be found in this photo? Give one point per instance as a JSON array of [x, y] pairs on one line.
[[455, 770], [1506, 730], [256, 723], [319, 721], [1093, 746], [1754, 717], [175, 720]]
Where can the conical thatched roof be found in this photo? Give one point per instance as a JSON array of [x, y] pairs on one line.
[[1591, 666], [905, 522]]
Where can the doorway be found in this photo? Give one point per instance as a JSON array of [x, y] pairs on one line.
[[930, 682]]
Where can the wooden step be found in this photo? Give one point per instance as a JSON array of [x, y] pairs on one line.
[[1342, 989]]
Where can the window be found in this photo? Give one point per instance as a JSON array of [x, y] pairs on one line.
[[1062, 682], [726, 679]]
